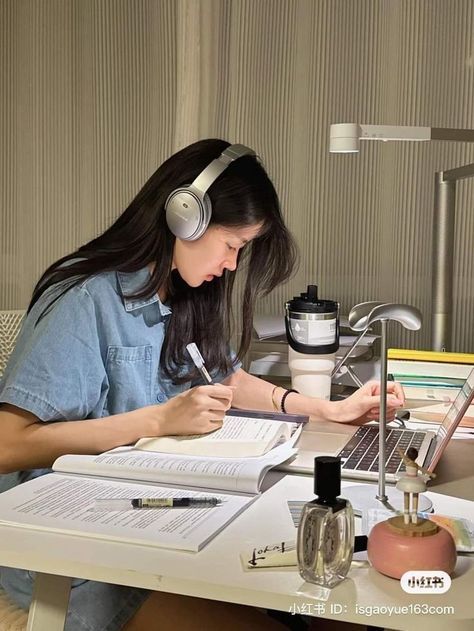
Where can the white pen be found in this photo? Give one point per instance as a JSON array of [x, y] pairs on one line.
[[199, 362]]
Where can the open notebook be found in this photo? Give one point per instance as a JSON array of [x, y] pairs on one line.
[[244, 434], [359, 451]]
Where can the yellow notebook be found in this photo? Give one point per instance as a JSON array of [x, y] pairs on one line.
[[430, 356]]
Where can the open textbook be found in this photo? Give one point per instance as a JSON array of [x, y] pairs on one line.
[[240, 436], [65, 500]]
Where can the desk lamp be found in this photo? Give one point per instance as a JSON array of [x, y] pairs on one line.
[[345, 138], [361, 317]]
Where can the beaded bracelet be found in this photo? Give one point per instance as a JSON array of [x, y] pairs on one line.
[[282, 404]]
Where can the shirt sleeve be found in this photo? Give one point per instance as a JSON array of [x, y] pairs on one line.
[[56, 370]]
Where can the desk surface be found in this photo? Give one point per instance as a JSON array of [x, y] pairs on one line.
[[216, 572], [455, 470]]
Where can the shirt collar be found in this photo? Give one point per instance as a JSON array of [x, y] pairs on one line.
[[131, 283]]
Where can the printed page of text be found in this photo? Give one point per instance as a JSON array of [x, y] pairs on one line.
[[67, 504]]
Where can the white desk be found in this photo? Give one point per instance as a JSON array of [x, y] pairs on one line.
[[216, 571], [455, 470]]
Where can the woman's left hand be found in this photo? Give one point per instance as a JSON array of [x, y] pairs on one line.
[[364, 405]]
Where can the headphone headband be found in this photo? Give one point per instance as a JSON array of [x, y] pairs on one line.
[[210, 174], [188, 208]]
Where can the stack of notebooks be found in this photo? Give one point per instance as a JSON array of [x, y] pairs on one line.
[[431, 380]]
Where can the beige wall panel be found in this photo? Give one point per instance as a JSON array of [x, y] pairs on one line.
[[96, 93], [363, 222], [88, 112]]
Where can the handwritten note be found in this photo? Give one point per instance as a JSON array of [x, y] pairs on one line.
[[279, 554]]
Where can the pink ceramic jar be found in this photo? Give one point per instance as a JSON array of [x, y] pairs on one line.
[[395, 548]]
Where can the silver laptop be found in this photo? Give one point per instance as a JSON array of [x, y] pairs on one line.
[[358, 446]]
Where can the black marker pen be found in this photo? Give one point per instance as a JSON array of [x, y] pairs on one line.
[[155, 502]]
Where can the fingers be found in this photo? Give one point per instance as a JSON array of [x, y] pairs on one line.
[[210, 399], [213, 401], [371, 387], [206, 427], [215, 423], [217, 391], [216, 415], [394, 391], [366, 402], [361, 421], [375, 400], [391, 411], [208, 421], [199, 410], [393, 402]]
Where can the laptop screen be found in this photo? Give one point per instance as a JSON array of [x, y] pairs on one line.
[[453, 418]]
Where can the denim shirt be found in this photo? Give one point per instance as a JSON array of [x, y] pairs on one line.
[[94, 353]]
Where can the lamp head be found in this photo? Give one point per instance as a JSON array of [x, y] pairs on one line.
[[359, 313], [366, 313], [344, 138]]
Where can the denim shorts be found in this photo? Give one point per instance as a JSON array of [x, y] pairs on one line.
[[93, 606]]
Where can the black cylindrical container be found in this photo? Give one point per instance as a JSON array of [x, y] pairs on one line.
[[312, 325]]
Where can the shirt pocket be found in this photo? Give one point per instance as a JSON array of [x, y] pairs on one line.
[[129, 371]]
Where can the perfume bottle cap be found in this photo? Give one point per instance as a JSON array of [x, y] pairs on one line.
[[327, 477]]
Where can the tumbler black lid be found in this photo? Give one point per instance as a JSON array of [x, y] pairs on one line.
[[308, 302], [327, 477]]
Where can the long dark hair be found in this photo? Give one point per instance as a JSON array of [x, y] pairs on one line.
[[242, 196]]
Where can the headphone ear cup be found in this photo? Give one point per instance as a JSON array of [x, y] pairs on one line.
[[188, 208], [184, 214], [206, 207]]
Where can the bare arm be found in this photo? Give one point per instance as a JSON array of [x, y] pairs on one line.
[[254, 393], [28, 443]]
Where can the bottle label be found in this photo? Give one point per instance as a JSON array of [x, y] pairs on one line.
[[331, 541], [314, 332], [156, 502]]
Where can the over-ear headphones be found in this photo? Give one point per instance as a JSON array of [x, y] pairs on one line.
[[188, 208]]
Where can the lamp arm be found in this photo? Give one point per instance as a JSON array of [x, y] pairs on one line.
[[394, 132], [459, 173], [443, 254], [447, 133], [407, 132]]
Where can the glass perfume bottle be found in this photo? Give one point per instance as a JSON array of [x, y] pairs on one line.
[[325, 542]]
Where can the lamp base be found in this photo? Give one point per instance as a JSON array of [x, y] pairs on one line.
[[363, 497]]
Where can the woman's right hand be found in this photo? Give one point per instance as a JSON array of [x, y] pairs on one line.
[[197, 411], [364, 404]]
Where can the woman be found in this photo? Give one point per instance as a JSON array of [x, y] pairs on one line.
[[104, 345]]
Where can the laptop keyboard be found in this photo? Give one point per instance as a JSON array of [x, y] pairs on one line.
[[361, 452]]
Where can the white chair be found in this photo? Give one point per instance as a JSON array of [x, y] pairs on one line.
[[12, 618], [10, 323]]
